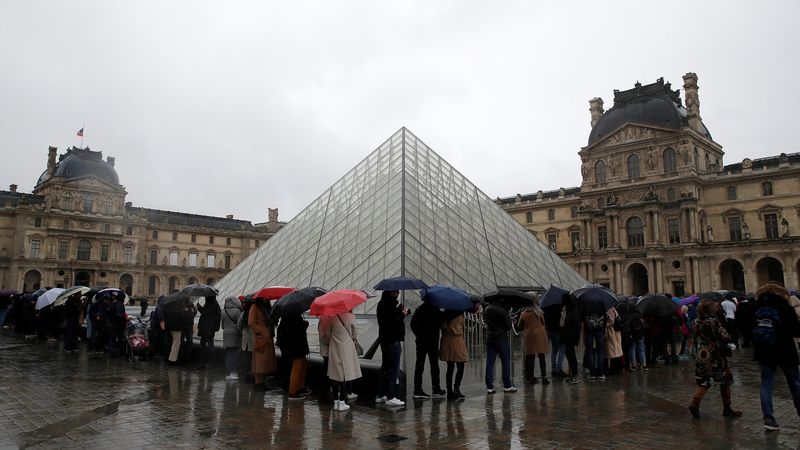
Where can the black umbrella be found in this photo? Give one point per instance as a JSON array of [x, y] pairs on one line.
[[656, 305], [713, 295], [553, 296], [730, 295], [199, 290], [400, 284], [296, 302], [175, 297], [595, 298], [509, 297]]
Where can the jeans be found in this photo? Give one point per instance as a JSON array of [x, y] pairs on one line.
[[71, 335], [556, 352], [572, 359], [493, 349], [636, 352], [3, 312], [230, 359], [390, 366], [431, 352], [596, 347], [792, 374]]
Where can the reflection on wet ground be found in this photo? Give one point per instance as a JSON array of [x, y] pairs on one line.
[[50, 399]]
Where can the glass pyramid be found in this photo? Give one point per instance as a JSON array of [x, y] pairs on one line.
[[403, 210]]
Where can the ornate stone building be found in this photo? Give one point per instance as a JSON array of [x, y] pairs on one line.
[[658, 211], [76, 228]]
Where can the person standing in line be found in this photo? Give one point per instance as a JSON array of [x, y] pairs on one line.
[[595, 341], [293, 342], [775, 327], [613, 340], [391, 332], [207, 327], [534, 341], [172, 323], [633, 332], [453, 351], [552, 320], [264, 362], [570, 336], [116, 319], [425, 324], [498, 324], [711, 361], [231, 335], [343, 365], [247, 340], [729, 306], [72, 316], [144, 304]]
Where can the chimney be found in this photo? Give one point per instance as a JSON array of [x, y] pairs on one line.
[[12, 188], [51, 160], [692, 100], [111, 160], [596, 109], [229, 216]]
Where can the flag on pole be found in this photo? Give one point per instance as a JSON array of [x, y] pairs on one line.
[[80, 132]]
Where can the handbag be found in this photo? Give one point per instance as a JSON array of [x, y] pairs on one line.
[[359, 348]]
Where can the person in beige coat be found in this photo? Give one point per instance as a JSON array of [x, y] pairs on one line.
[[343, 364], [453, 351], [534, 341], [263, 359], [613, 342]]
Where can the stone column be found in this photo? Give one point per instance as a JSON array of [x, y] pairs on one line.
[[612, 230], [656, 228], [660, 273], [692, 216], [698, 285], [648, 227]]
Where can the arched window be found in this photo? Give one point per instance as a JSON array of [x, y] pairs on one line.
[[670, 166], [152, 285], [635, 232], [173, 284], [192, 280], [633, 166], [600, 172], [84, 250]]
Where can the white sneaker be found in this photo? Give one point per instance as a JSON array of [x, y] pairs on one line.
[[395, 402], [352, 396], [381, 399], [510, 389], [232, 377], [341, 406]]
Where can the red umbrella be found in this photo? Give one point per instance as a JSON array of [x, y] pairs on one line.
[[272, 292], [336, 302]]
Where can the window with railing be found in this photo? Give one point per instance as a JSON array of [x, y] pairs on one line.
[[84, 250], [602, 237], [635, 230], [674, 230], [104, 252], [771, 226], [36, 248], [127, 255], [735, 228]]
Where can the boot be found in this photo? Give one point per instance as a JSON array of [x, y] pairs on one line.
[[459, 395], [451, 394], [545, 380], [533, 380], [727, 411], [694, 407]]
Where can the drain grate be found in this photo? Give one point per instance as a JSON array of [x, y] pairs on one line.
[[391, 438]]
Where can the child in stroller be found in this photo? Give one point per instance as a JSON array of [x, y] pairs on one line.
[[137, 345]]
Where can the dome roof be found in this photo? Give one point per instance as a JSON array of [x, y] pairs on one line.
[[79, 162], [654, 104]]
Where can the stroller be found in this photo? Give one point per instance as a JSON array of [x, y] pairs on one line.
[[137, 344]]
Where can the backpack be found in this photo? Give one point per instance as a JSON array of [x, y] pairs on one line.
[[768, 324], [596, 321], [636, 328]]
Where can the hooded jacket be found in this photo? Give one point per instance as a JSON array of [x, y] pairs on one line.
[[231, 335], [784, 352]]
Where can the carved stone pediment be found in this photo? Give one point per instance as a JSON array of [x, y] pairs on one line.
[[632, 133]]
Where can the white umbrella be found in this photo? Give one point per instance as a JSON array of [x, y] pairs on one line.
[[69, 293], [48, 298]]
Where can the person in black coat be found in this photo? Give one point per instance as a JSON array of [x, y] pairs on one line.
[[571, 335], [391, 332], [207, 326], [115, 320], [498, 324], [425, 324], [781, 353], [97, 314], [293, 342], [72, 316]]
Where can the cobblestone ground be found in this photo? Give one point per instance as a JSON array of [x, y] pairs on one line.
[[49, 399]]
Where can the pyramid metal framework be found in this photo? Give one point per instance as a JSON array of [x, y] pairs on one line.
[[403, 210]]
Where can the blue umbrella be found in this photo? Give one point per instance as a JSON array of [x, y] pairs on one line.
[[400, 284], [447, 297], [553, 296]]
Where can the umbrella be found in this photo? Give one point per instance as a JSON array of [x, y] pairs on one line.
[[69, 293], [595, 298], [713, 295], [272, 292], [48, 298], [689, 300], [111, 294], [656, 305], [400, 284], [509, 297], [175, 297], [296, 302], [336, 302], [7, 292], [199, 290], [730, 295], [447, 297], [553, 296], [477, 299]]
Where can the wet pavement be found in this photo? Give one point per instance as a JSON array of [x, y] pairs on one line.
[[49, 399]]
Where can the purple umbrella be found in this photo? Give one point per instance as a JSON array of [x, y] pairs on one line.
[[689, 300]]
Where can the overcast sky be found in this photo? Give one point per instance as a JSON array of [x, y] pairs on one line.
[[232, 107]]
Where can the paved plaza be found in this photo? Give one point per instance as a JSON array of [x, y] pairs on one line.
[[49, 399]]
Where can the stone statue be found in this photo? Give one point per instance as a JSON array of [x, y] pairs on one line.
[[272, 214], [651, 193], [576, 244], [710, 234], [685, 154], [651, 160], [585, 171], [553, 245], [745, 231], [613, 163], [784, 227]]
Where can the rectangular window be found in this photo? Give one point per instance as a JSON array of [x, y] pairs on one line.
[[575, 239], [227, 261], [174, 236], [766, 188], [735, 228], [227, 241], [107, 206], [155, 234], [104, 252], [573, 212], [192, 259], [209, 260], [678, 288], [602, 237], [211, 239], [551, 214], [151, 285], [153, 256], [129, 231], [127, 255], [771, 226], [66, 225], [173, 258], [528, 217], [551, 241], [36, 248], [37, 222], [194, 238], [63, 249], [674, 231], [87, 205], [731, 192], [257, 243]]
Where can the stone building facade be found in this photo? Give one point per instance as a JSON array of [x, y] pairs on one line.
[[659, 211], [76, 228]]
